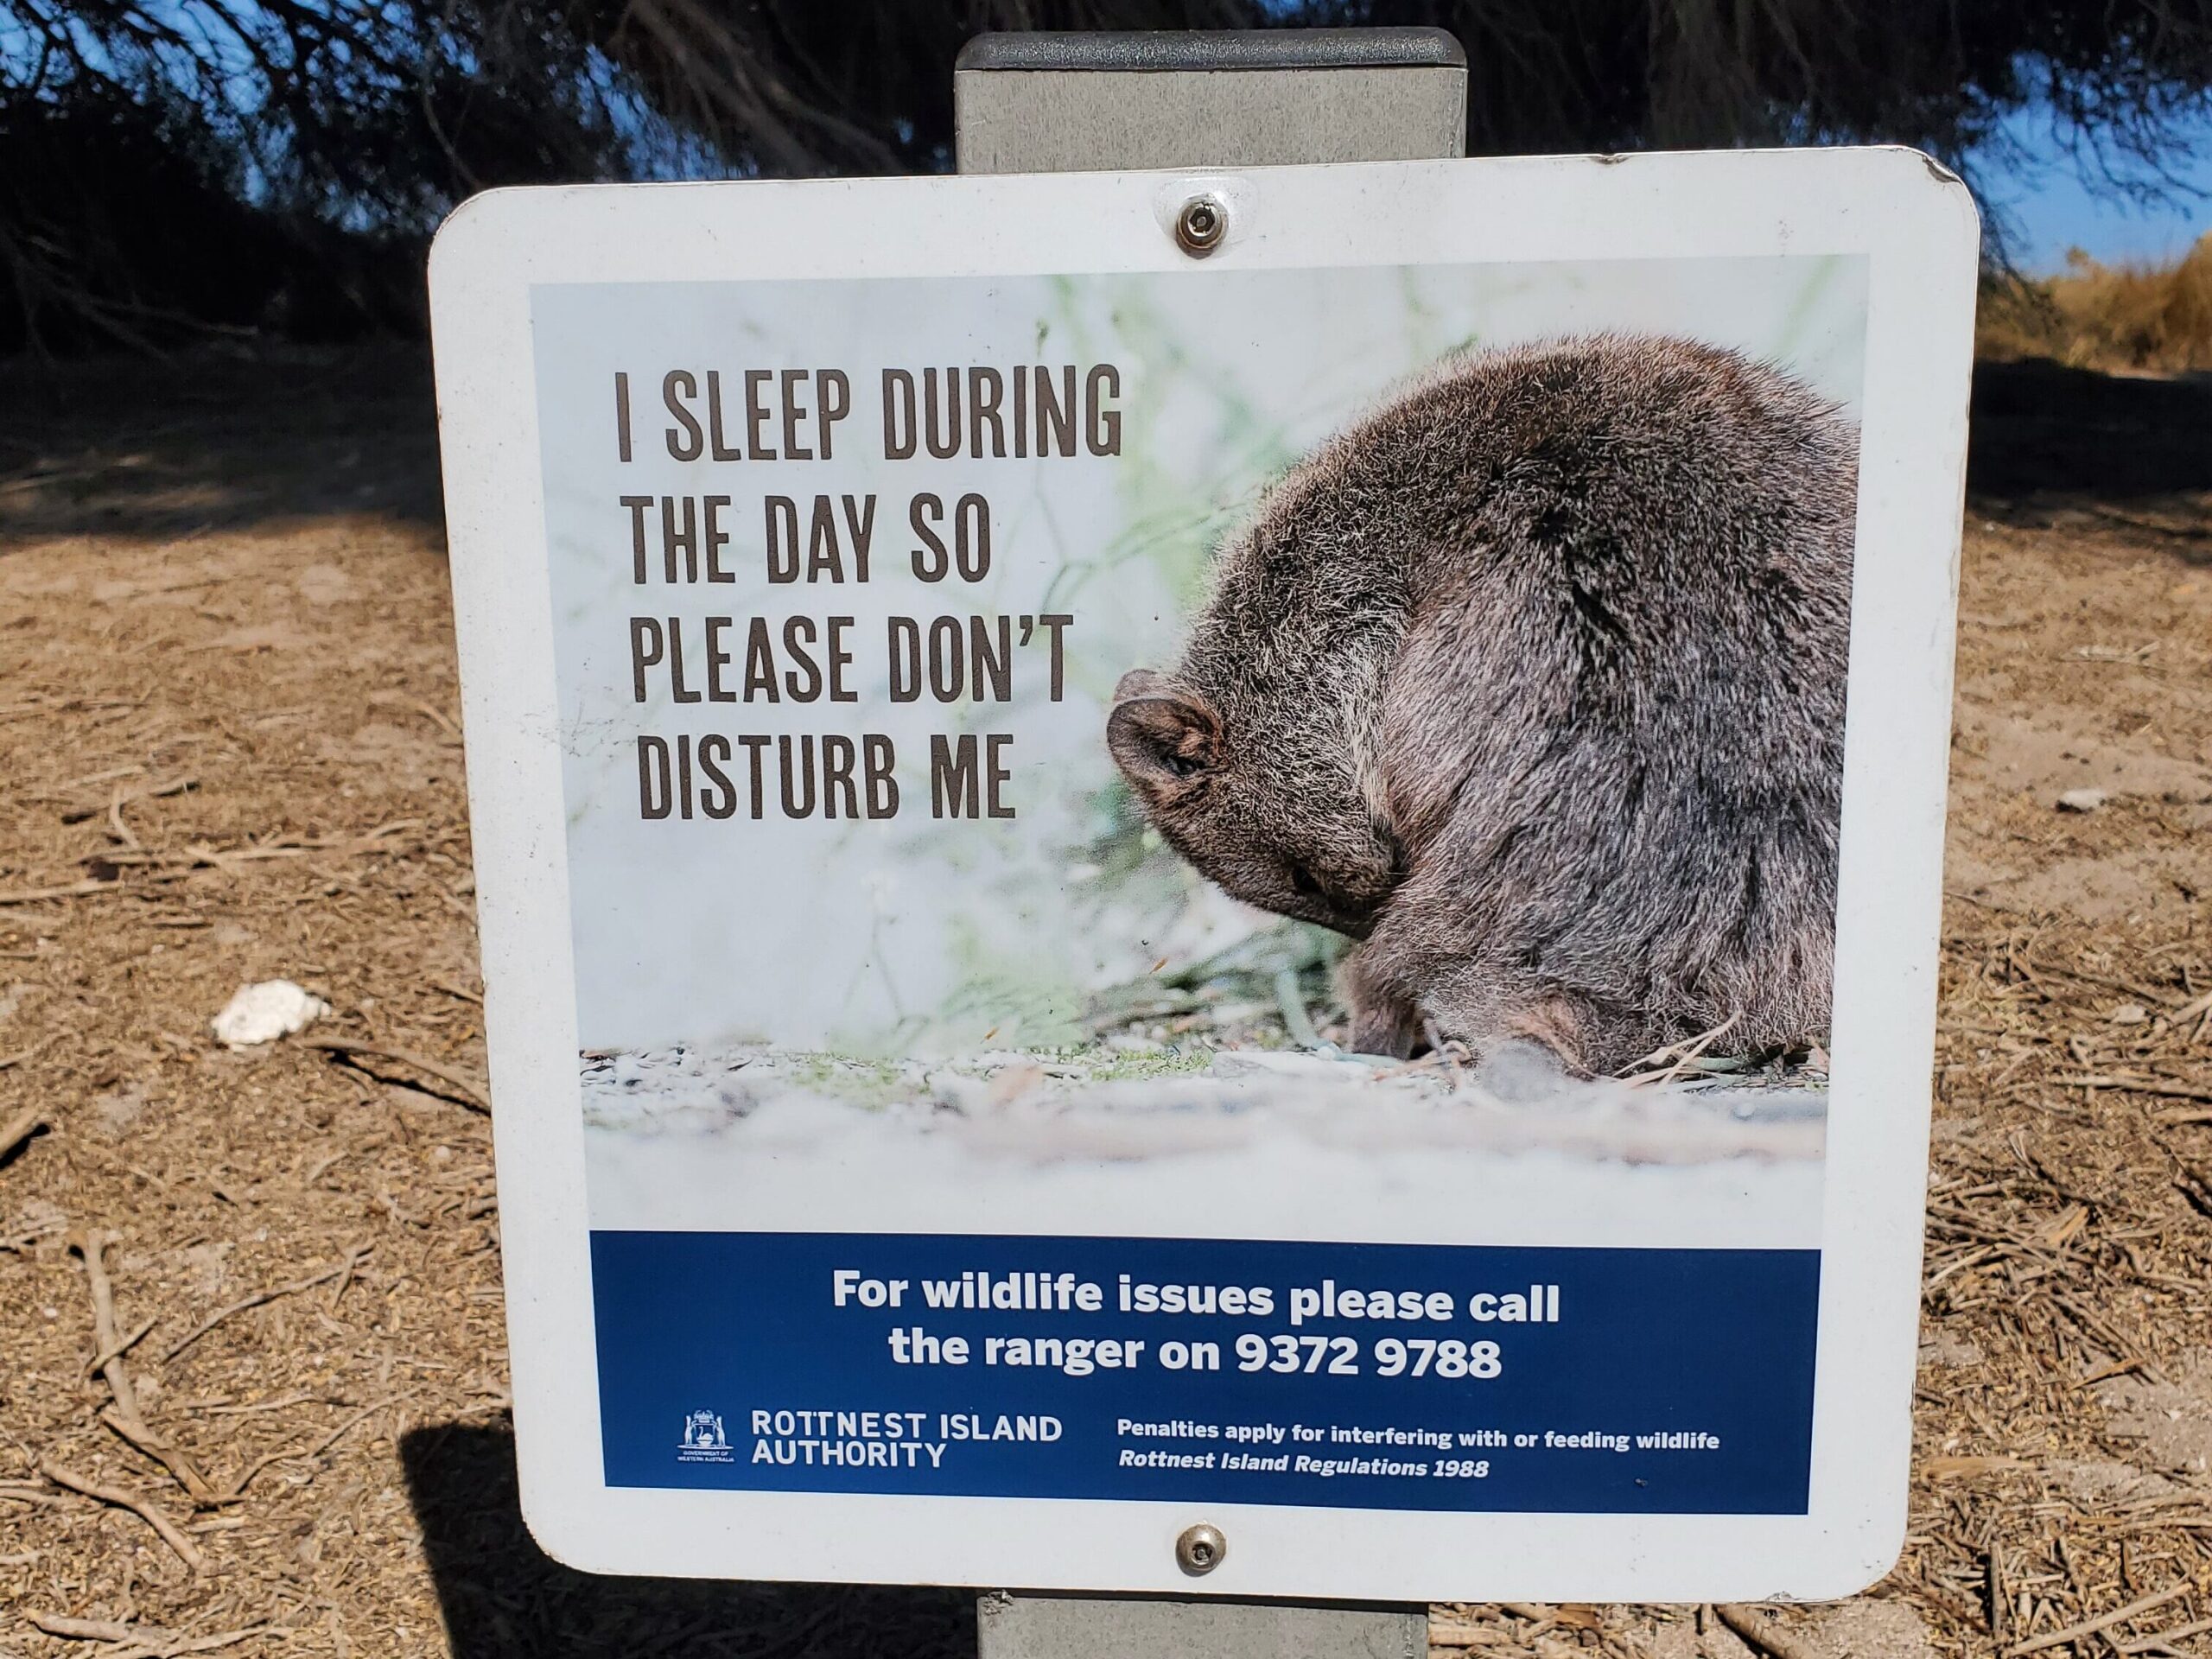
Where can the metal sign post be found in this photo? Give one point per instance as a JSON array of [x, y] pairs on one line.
[[1088, 103], [1069, 102]]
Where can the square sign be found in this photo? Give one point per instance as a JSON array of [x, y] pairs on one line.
[[1255, 850]]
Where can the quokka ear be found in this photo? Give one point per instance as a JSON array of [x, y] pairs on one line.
[[1161, 734], [1140, 683]]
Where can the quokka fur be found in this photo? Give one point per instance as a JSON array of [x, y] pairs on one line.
[[1532, 682]]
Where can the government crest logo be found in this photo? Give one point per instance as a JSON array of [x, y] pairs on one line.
[[703, 1440]]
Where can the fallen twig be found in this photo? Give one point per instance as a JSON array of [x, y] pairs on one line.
[[92, 1629], [225, 858], [22, 1491], [247, 1474], [2165, 1638], [16, 1243], [1993, 1591], [171, 1535], [126, 1419], [122, 797], [282, 1402], [362, 1415], [23, 1125], [2182, 1117], [2101, 1332], [2136, 1085], [175, 1647], [117, 826], [346, 1046], [2103, 1622], [1441, 1635], [68, 890], [94, 1365], [441, 721], [353, 1260], [144, 1641], [135, 1431], [2192, 1185], [1763, 1633]]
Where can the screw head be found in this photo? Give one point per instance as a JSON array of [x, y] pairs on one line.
[[1199, 1549], [1201, 224]]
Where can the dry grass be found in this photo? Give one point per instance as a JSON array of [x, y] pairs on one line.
[[2125, 317], [226, 697]]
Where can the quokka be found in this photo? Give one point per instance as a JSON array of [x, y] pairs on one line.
[[1532, 682]]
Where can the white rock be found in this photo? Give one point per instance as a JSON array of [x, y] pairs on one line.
[[2082, 800], [260, 1013]]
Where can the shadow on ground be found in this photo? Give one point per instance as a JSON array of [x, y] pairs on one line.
[[217, 441], [238, 439], [2041, 430], [503, 1598]]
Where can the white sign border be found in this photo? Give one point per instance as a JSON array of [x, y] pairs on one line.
[[1916, 223]]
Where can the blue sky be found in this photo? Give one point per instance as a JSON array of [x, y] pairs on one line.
[[2052, 210]]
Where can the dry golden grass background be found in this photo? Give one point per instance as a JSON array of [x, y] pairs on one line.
[[227, 738], [2123, 318]]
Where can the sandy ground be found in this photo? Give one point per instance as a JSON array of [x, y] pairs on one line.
[[227, 742]]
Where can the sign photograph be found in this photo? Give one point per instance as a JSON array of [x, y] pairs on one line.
[[1215, 882]]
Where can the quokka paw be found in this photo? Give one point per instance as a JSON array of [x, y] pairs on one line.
[[1382, 1022]]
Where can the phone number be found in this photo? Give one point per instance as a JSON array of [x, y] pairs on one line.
[[1447, 1357]]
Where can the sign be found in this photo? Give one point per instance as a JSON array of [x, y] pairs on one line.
[[1256, 851]]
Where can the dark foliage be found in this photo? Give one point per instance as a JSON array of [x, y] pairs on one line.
[[169, 166], [124, 222], [165, 236]]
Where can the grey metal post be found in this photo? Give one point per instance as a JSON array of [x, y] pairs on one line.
[[1073, 103], [1058, 103]]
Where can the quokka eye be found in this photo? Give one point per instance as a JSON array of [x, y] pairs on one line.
[[1302, 883]]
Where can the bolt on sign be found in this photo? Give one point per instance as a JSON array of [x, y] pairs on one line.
[[1217, 881]]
